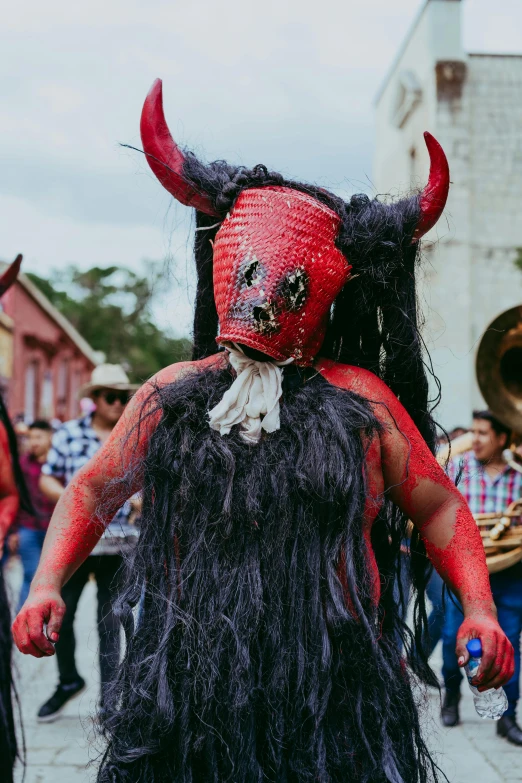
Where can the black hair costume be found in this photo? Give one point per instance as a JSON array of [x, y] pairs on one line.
[[249, 663]]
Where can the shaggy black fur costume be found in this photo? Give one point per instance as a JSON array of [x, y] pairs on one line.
[[247, 664]]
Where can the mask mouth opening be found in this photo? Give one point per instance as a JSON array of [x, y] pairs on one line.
[[252, 353]]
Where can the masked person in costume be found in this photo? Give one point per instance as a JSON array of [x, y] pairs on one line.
[[13, 495], [278, 471]]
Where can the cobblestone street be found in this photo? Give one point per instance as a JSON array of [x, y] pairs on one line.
[[65, 752]]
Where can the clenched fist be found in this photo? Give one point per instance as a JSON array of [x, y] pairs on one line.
[[44, 607]]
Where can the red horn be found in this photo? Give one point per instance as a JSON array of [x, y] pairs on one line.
[[435, 194], [10, 274], [164, 156]]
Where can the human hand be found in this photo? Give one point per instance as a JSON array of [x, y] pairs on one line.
[[44, 606], [498, 658]]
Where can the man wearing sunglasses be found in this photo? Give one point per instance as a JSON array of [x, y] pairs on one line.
[[73, 445]]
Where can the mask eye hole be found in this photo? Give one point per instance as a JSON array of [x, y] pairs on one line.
[[265, 318], [252, 273], [295, 288]]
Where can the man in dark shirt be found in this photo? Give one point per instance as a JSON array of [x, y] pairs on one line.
[[32, 528]]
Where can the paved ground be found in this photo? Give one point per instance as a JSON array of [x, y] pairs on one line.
[[64, 751]]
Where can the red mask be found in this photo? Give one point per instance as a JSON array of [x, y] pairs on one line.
[[277, 272]]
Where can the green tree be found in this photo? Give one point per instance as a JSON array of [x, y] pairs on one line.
[[111, 308]]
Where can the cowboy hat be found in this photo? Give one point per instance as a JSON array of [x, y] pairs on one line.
[[107, 376]]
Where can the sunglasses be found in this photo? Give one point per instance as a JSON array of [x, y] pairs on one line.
[[111, 397]]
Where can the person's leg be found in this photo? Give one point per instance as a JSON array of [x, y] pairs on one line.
[[436, 618], [70, 682], [66, 646], [506, 587], [106, 569], [450, 669], [402, 586], [30, 544]]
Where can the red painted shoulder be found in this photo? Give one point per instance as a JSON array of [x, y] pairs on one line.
[[174, 371], [363, 382]]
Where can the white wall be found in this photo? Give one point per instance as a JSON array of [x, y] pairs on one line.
[[468, 276], [495, 87], [434, 36]]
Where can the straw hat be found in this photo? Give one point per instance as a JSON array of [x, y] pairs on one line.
[[107, 376]]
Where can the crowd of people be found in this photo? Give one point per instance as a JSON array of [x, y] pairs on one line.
[[49, 458]]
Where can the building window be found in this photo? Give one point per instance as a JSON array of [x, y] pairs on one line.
[[31, 391], [46, 402], [76, 382], [62, 389], [63, 377], [407, 97]]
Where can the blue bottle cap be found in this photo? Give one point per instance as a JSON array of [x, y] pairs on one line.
[[474, 647]]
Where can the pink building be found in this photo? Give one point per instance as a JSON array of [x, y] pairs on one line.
[[43, 359]]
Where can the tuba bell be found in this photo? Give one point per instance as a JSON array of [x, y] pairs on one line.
[[499, 376]]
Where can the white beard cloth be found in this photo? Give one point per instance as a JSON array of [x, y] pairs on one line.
[[253, 399]]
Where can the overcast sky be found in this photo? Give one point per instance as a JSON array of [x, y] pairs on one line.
[[290, 84]]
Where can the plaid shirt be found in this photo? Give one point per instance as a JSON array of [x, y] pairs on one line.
[[73, 445], [484, 494]]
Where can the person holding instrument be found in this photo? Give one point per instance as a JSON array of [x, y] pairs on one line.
[[487, 484], [278, 470]]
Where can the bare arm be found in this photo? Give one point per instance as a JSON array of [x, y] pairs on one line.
[[9, 500], [419, 486], [77, 525], [51, 487]]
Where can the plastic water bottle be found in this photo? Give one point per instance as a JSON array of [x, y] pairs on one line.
[[491, 703]]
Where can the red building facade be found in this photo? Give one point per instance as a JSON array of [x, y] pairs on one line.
[[43, 359]]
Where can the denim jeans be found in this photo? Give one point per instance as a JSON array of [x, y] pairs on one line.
[[30, 543], [506, 587], [433, 592], [436, 616]]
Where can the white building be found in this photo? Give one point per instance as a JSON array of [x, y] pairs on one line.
[[472, 103]]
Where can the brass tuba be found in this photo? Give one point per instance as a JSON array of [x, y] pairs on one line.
[[499, 376]]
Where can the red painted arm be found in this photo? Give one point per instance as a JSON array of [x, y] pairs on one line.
[[9, 500], [418, 485], [76, 525]]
